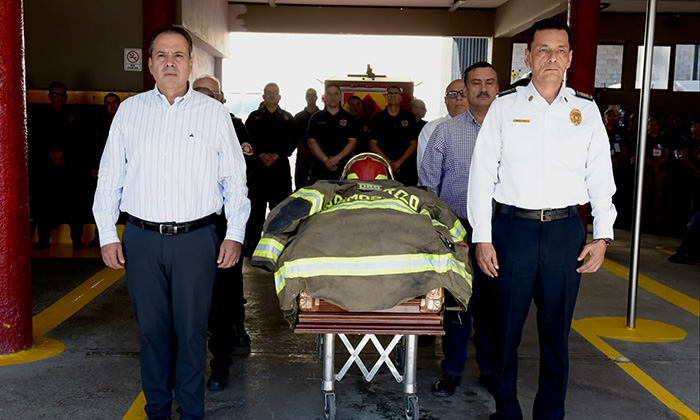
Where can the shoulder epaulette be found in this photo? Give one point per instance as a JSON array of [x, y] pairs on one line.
[[506, 92], [584, 95]]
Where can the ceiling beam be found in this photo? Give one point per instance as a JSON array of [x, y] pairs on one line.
[[515, 16]]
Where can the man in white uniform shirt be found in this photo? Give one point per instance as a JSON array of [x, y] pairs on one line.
[[456, 104], [172, 160], [542, 151]]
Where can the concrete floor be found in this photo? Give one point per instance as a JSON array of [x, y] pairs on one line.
[[97, 376]]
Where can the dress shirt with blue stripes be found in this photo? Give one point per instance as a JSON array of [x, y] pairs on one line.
[[171, 163], [447, 158]]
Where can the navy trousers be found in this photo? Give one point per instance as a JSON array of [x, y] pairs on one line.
[[537, 260], [458, 324], [170, 281]]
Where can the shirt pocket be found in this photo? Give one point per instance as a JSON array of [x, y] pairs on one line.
[[571, 148], [522, 142]]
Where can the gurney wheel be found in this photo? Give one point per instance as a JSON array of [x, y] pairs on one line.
[[411, 407], [329, 405]]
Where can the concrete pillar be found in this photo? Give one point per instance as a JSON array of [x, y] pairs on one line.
[[584, 20], [156, 14], [15, 250]]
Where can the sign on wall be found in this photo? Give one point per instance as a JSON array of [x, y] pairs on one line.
[[132, 59]]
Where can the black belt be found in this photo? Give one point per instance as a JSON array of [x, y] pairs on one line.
[[173, 228], [544, 215]]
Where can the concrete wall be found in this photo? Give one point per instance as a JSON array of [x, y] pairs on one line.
[[81, 42], [208, 21]]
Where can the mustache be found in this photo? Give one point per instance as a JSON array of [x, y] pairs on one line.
[[483, 94]]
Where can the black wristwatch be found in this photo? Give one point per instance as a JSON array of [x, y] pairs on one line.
[[608, 241]]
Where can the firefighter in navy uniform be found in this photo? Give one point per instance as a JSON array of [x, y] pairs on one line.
[[227, 311], [394, 136], [331, 137], [273, 135]]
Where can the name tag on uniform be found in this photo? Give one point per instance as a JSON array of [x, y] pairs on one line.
[[521, 121], [656, 152], [617, 148]]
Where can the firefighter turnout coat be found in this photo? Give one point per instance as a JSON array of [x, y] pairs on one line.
[[363, 246]]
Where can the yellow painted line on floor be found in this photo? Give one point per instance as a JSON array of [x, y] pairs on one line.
[[75, 300], [136, 411], [587, 331], [664, 250], [654, 287], [54, 315]]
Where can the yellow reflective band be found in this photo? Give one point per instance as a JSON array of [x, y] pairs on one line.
[[380, 176], [313, 196], [384, 203], [352, 176], [279, 280], [458, 231], [375, 265], [269, 248]]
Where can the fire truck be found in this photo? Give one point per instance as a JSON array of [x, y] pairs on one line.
[[373, 86]]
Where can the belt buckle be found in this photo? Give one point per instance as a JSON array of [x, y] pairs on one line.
[[164, 229], [542, 217]]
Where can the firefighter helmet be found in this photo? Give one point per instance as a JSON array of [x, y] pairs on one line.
[[367, 167]]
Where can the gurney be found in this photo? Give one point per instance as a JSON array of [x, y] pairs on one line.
[[350, 257], [404, 322]]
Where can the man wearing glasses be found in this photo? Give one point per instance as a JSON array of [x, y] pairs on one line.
[[456, 104], [445, 170], [393, 136]]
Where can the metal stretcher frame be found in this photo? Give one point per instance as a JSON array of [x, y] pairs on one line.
[[405, 322]]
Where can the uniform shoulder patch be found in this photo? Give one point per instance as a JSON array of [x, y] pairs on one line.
[[584, 95], [506, 92], [246, 148]]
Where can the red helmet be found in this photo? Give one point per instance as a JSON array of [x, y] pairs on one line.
[[367, 167]]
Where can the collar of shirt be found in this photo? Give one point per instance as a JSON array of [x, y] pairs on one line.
[[531, 90], [178, 100]]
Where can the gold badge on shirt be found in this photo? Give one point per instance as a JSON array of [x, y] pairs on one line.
[[404, 123], [343, 123], [575, 116], [286, 117]]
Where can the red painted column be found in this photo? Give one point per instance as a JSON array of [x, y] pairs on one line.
[[15, 276], [156, 14], [584, 20]]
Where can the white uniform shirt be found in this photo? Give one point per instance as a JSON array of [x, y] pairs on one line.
[[171, 163], [533, 155], [424, 137]]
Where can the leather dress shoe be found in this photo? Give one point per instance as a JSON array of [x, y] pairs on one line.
[[446, 385], [218, 381]]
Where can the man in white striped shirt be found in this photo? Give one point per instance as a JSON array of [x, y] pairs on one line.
[[172, 160]]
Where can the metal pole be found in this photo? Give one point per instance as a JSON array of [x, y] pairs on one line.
[[639, 178]]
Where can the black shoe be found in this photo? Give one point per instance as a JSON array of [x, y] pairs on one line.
[[241, 340], [681, 258], [241, 344], [426, 340], [445, 386], [486, 380], [218, 381], [41, 245]]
